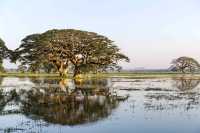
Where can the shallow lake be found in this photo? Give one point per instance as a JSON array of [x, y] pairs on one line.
[[113, 105]]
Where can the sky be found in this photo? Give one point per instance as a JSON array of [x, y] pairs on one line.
[[150, 32]]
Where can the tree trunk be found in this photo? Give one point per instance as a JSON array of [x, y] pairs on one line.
[[62, 70], [182, 70], [76, 72]]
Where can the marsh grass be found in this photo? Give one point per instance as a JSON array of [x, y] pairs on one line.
[[135, 75]]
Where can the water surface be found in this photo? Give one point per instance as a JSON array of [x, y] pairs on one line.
[[115, 105]]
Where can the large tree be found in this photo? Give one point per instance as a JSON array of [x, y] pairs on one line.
[[185, 64], [85, 51], [4, 53]]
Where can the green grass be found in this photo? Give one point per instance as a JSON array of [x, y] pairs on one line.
[[28, 75], [150, 75], [106, 75]]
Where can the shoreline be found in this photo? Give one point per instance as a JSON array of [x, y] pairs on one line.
[[109, 75]]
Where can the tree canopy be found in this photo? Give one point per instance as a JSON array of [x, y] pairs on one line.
[[4, 53], [85, 51], [185, 64], [30, 54]]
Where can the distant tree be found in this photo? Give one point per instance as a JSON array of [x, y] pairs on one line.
[[185, 64], [85, 51], [4, 53]]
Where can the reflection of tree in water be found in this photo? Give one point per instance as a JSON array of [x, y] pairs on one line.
[[171, 100], [6, 97], [3, 102], [85, 104], [1, 80], [67, 103], [43, 80], [185, 83]]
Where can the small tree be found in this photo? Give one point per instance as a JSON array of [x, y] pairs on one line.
[[185, 64]]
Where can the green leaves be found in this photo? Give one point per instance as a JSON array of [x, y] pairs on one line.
[[185, 64], [4, 53], [86, 51]]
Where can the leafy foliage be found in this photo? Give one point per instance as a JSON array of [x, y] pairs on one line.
[[85, 51], [29, 54], [185, 64], [4, 53]]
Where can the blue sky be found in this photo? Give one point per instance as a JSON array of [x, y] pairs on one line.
[[150, 32]]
